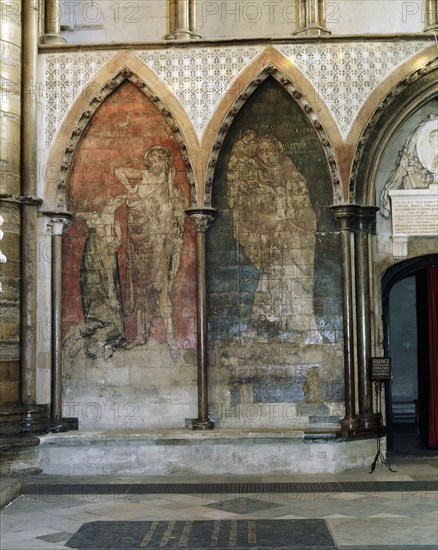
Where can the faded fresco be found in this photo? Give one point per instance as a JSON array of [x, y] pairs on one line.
[[273, 248], [130, 206], [273, 272], [275, 224], [417, 163]]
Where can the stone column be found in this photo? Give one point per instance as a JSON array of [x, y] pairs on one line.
[[182, 20], [35, 415], [57, 222], [366, 217], [19, 28], [431, 16], [30, 202], [10, 209], [52, 23], [311, 18], [346, 215], [202, 219]]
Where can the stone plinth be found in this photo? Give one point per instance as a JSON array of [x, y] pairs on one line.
[[185, 452]]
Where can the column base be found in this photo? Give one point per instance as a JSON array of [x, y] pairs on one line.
[[350, 423], [202, 424], [312, 30], [53, 38], [24, 420], [182, 34], [371, 422], [431, 28], [58, 425]]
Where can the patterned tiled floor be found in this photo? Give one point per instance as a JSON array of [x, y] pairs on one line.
[[347, 519]]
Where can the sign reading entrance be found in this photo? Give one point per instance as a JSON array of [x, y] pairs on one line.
[[380, 368]]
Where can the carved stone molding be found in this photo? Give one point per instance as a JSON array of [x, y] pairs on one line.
[[202, 218], [297, 95]]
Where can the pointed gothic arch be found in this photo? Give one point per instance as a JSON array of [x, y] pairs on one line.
[[272, 63], [404, 92], [121, 68]]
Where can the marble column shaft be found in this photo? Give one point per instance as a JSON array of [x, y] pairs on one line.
[[57, 223], [202, 219], [346, 215], [366, 216]]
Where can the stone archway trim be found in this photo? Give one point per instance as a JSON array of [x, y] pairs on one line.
[[290, 76], [130, 63]]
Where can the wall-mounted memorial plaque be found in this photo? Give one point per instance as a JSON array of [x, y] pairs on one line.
[[414, 214], [410, 195]]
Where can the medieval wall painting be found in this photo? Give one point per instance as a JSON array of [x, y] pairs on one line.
[[274, 281], [129, 267], [274, 223]]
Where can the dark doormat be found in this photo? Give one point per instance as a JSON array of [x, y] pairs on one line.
[[280, 534]]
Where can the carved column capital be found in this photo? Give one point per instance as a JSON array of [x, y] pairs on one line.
[[345, 214], [57, 221], [202, 218]]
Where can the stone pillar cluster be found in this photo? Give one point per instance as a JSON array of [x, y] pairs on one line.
[[356, 223], [20, 30], [10, 210]]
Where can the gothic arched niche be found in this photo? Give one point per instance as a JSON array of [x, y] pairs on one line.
[[273, 252], [406, 173], [128, 258]]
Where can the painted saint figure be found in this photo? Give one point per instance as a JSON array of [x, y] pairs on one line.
[[155, 236], [417, 164], [100, 281], [274, 222]]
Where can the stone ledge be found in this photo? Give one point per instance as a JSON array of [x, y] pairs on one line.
[[173, 452], [172, 436]]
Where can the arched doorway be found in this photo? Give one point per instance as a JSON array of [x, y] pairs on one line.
[[409, 310]]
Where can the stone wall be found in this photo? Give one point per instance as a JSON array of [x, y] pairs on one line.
[[274, 361]]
